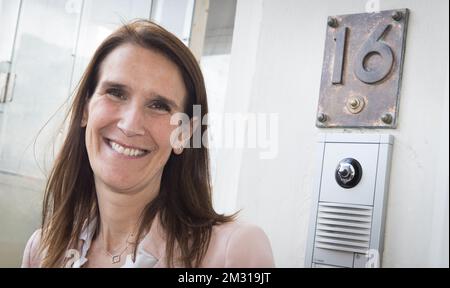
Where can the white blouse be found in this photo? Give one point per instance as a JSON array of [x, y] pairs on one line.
[[143, 258]]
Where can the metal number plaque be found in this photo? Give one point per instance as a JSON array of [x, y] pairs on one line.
[[362, 70]]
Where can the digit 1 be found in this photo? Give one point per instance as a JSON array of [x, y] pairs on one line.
[[339, 53]]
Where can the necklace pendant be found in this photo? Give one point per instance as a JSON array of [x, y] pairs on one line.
[[115, 259]]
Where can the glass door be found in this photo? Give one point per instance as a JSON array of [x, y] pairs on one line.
[[36, 55], [41, 63]]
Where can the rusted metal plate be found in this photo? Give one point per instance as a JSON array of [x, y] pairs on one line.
[[362, 69]]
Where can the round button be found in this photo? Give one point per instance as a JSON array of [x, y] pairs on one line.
[[348, 173]]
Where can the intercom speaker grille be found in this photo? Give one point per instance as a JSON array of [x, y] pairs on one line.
[[343, 227]]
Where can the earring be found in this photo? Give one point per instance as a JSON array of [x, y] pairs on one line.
[[178, 150]]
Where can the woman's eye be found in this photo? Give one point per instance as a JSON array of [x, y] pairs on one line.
[[116, 93], [158, 105]]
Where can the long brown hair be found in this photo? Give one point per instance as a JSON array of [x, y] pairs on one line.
[[184, 202]]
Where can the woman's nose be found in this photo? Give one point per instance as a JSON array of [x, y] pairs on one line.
[[131, 121]]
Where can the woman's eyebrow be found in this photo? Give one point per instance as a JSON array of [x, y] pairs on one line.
[[153, 96], [112, 84]]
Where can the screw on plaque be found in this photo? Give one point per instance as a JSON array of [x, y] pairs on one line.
[[322, 117], [397, 16], [387, 118], [332, 22]]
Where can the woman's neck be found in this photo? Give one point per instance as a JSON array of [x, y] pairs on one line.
[[120, 214]]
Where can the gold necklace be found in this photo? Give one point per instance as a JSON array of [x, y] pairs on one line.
[[116, 258]]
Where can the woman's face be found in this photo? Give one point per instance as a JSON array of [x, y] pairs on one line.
[[127, 118]]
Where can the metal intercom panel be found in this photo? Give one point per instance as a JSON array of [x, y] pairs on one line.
[[349, 202]]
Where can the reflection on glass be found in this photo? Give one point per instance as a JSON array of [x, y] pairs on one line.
[[99, 19], [175, 16], [9, 11], [42, 65]]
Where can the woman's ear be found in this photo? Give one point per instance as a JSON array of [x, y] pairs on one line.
[[184, 138]]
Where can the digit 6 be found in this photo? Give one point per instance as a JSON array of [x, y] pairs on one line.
[[374, 46]]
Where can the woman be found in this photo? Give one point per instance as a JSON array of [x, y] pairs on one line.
[[120, 195]]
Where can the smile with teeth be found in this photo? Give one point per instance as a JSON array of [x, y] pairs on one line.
[[127, 151]]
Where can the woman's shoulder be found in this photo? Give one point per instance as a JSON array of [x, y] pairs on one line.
[[31, 258], [238, 229], [239, 244]]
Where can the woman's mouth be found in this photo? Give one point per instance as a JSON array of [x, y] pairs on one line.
[[126, 151]]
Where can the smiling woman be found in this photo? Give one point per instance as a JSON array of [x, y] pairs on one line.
[[120, 195], [128, 121]]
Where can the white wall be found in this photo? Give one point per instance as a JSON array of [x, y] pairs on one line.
[[276, 64]]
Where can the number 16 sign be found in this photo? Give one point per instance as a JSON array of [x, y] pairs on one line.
[[362, 70]]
